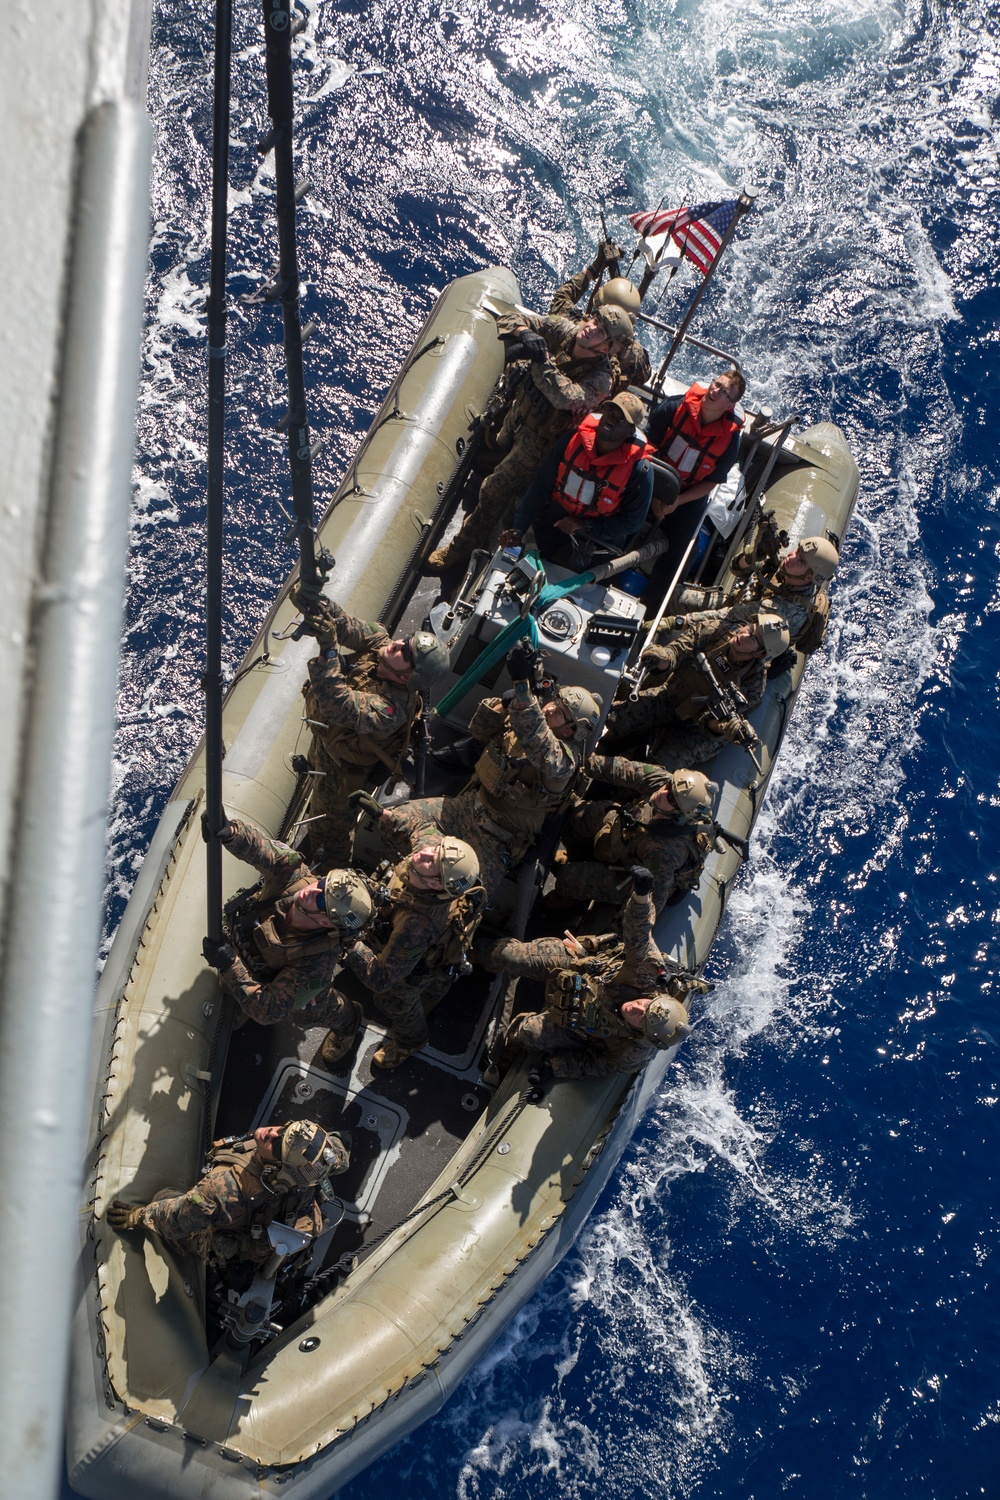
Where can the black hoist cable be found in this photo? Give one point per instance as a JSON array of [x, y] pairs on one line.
[[278, 31], [212, 681]]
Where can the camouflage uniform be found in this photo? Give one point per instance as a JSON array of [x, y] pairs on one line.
[[226, 1214], [667, 711], [674, 847], [368, 727], [548, 398], [804, 610], [412, 972], [294, 969], [623, 971], [633, 366], [525, 773]]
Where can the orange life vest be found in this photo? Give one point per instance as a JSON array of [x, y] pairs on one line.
[[692, 449], [589, 483]]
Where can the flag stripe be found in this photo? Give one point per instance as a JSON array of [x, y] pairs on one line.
[[698, 232]]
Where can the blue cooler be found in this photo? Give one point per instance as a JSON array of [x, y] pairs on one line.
[[632, 581]]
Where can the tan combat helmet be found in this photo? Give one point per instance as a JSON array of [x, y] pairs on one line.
[[585, 707], [346, 900], [617, 325], [821, 555], [309, 1153], [665, 1023], [774, 632], [459, 866], [693, 792], [619, 292], [430, 659]]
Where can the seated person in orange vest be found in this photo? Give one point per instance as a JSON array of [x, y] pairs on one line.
[[698, 435], [595, 480]]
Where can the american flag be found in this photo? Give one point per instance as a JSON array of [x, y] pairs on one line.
[[698, 232]]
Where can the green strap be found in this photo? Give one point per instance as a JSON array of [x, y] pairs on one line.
[[510, 635]]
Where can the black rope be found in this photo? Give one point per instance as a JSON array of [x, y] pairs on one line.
[[212, 681], [278, 31]]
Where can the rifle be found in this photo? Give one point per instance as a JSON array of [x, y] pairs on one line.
[[768, 544], [728, 703]]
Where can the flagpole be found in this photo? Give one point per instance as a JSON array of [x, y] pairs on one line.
[[744, 204]]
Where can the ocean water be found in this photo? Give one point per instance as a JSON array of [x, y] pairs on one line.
[[787, 1288]]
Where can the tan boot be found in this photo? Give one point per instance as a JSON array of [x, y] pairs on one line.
[[391, 1054], [337, 1044], [449, 556]]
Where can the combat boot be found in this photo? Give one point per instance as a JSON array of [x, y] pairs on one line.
[[337, 1044], [391, 1054], [452, 555]]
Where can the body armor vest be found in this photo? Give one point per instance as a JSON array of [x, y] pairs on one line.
[[249, 1240], [530, 407], [458, 917], [691, 448], [257, 937], [511, 790], [578, 1002], [589, 483], [347, 746]]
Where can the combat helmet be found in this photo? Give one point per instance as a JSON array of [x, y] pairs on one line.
[[459, 866], [665, 1023], [693, 792], [430, 659], [617, 325], [774, 633], [585, 707], [346, 900], [821, 555], [309, 1154], [619, 292]]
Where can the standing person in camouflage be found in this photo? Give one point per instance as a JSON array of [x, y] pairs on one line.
[[289, 932], [607, 1011], [531, 758], [667, 827], [633, 362], [361, 712], [674, 709], [564, 371], [795, 590], [436, 903], [277, 1173]]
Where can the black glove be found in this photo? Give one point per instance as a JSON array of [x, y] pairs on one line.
[[366, 802], [220, 954], [642, 880], [521, 661], [534, 346], [123, 1216], [224, 834]]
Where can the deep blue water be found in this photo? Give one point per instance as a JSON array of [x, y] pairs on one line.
[[788, 1287]]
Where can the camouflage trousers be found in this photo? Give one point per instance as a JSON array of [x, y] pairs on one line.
[[589, 879], [651, 720], [502, 490], [461, 818], [333, 832], [407, 1010], [540, 1031]]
